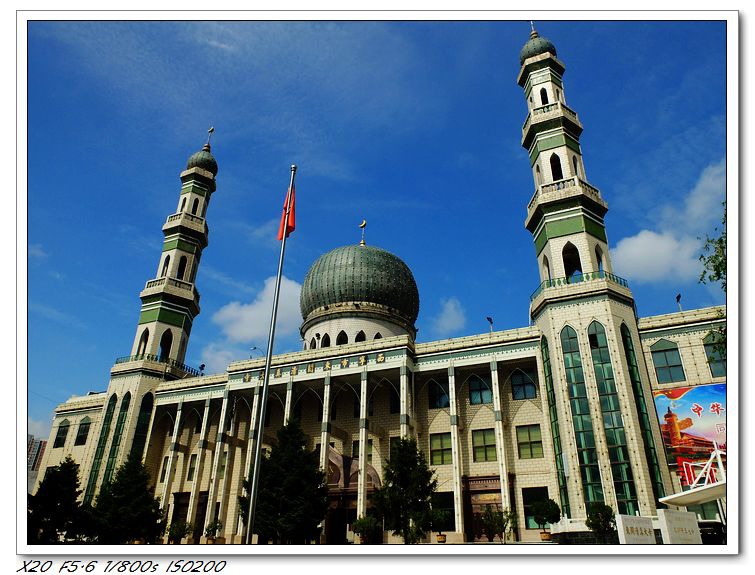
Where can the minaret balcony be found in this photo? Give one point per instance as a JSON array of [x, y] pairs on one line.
[[188, 221], [547, 113], [587, 283], [560, 190], [156, 363], [172, 286]]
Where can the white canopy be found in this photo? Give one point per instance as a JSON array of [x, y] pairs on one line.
[[697, 495]]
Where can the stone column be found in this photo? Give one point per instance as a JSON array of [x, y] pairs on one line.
[[363, 425], [455, 451], [202, 451], [404, 417], [171, 458], [325, 427], [289, 394], [252, 436], [500, 442], [219, 445]]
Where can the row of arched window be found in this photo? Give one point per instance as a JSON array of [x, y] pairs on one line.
[[181, 274], [166, 343], [557, 172], [544, 97], [341, 339], [572, 261], [194, 207]]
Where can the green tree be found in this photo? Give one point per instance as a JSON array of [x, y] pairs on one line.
[[54, 512], [292, 494], [601, 521], [497, 522], [404, 498], [546, 511], [126, 509], [714, 270]]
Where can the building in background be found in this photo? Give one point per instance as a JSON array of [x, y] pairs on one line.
[[35, 449], [566, 408]]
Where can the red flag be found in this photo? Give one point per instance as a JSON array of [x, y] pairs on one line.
[[290, 226]]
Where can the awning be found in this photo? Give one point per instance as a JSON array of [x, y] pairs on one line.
[[697, 495]]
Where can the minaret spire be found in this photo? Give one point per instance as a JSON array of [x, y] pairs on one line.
[[363, 225], [209, 135]]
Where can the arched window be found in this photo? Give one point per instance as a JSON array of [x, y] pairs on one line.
[[62, 434], [667, 361], [572, 263], [117, 434], [523, 385], [325, 341], [715, 351], [342, 338], [556, 171], [575, 165], [181, 267], [142, 425], [142, 347], [555, 429], [195, 206], [378, 336], [183, 204], [479, 391], [360, 337], [99, 452], [313, 344], [599, 258], [538, 180], [558, 94], [543, 96], [546, 268], [166, 263], [166, 342], [204, 209], [83, 431]]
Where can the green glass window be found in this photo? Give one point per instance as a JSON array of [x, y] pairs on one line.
[[355, 450], [142, 424], [440, 448], [555, 429], [581, 419], [483, 445], [117, 435], [667, 361], [437, 394], [479, 391], [618, 451], [222, 464], [529, 441], [523, 385], [100, 450], [164, 469], [192, 467], [530, 495], [62, 434], [716, 354], [83, 431]]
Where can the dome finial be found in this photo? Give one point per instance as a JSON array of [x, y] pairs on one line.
[[363, 225], [534, 33], [209, 135]]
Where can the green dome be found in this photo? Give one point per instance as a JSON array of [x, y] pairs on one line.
[[203, 159], [535, 46], [360, 274]]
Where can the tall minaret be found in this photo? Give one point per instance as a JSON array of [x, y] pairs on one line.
[[170, 302], [606, 440]]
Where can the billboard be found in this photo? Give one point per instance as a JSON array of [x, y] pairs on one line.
[[691, 420]]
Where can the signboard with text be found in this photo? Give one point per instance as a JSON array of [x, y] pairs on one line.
[[634, 530], [679, 527]]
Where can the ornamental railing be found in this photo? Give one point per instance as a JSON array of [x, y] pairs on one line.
[[159, 359], [190, 217], [555, 106], [578, 279], [574, 181], [173, 282]]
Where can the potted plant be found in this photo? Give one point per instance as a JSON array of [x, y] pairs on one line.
[[211, 531], [494, 522], [545, 511], [368, 528], [178, 530], [439, 518], [601, 521]]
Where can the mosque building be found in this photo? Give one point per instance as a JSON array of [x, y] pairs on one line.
[[563, 408]]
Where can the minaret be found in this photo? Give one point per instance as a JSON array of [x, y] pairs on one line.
[[607, 445], [170, 301]]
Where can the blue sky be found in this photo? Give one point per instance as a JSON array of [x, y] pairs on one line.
[[414, 126]]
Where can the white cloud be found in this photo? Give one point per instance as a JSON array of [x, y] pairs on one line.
[[247, 323], [672, 252], [650, 256], [223, 280], [451, 317], [40, 429], [36, 251], [217, 357]]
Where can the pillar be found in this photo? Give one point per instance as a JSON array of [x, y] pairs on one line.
[[363, 424], [202, 451], [171, 458], [325, 427], [404, 417], [219, 444], [500, 442], [455, 451]]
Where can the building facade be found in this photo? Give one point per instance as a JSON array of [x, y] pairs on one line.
[[563, 409]]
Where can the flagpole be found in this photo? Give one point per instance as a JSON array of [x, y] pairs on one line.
[[257, 437]]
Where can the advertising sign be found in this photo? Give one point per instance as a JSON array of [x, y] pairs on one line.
[[692, 419]]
